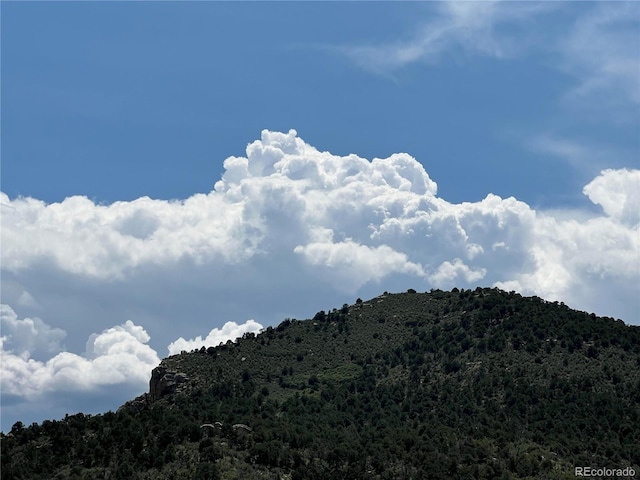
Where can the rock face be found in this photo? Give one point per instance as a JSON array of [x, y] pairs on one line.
[[164, 382]]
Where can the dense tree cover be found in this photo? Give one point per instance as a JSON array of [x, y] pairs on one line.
[[461, 384]]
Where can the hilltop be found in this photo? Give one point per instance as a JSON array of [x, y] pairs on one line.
[[462, 384]]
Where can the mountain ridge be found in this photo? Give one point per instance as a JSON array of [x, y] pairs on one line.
[[463, 384]]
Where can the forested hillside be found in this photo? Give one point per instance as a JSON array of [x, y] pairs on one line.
[[462, 384]]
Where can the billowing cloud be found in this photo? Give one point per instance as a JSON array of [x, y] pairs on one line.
[[117, 363], [287, 230], [229, 331], [354, 264], [282, 189], [450, 273], [118, 355], [618, 192], [353, 220], [38, 384], [106, 241], [29, 335]]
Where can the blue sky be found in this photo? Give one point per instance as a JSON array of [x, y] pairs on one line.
[[525, 115], [119, 101]]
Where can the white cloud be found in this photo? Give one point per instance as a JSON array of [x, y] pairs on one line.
[[29, 335], [287, 205], [473, 27], [353, 264], [448, 274], [105, 241], [549, 277], [116, 365], [258, 197], [118, 355], [229, 331], [618, 192], [569, 256], [596, 44]]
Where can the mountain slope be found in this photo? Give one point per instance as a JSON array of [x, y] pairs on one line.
[[461, 384]]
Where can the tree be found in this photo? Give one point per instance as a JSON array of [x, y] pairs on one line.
[[206, 471]]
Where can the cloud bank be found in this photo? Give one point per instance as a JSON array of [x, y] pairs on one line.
[[117, 363], [360, 220], [115, 356], [229, 331], [286, 224]]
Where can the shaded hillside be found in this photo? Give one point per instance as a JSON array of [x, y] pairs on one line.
[[461, 384]]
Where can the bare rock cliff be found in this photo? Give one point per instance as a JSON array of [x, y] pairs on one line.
[[164, 382]]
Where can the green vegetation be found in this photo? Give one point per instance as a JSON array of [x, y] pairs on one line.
[[461, 384]]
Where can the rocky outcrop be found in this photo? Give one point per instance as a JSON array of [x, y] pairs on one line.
[[164, 382], [243, 427], [137, 404]]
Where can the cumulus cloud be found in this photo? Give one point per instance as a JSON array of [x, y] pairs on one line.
[[29, 335], [347, 220], [353, 264], [118, 355], [618, 192], [450, 273], [116, 364], [229, 331], [260, 200], [107, 241]]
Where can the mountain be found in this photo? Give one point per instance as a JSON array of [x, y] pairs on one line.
[[462, 384]]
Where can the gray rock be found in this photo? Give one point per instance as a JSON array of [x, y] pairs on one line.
[[164, 382]]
